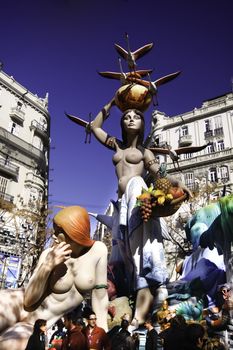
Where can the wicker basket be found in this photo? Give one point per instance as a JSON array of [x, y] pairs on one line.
[[168, 209]]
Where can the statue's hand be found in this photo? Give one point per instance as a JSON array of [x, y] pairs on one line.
[[58, 254], [179, 184], [186, 190]]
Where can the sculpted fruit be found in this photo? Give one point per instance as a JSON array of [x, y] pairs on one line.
[[144, 196], [176, 192]]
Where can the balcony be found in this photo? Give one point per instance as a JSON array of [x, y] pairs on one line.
[[193, 186], [17, 115], [9, 169], [208, 134], [40, 129], [218, 132], [185, 140], [205, 159], [32, 179], [6, 197], [22, 146]]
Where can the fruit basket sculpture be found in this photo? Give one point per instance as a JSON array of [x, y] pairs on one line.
[[160, 199]]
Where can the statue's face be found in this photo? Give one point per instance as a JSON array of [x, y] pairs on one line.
[[132, 121]]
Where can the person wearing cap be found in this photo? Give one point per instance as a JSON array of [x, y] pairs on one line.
[[74, 338], [73, 266]]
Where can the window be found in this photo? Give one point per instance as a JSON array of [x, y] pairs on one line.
[[220, 145], [14, 128], [38, 143], [213, 177], [3, 185], [210, 148], [218, 122], [19, 106], [224, 173], [33, 196], [184, 130], [43, 123], [208, 125], [189, 179], [7, 160]]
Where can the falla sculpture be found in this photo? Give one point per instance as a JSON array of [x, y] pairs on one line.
[[138, 247], [137, 258]]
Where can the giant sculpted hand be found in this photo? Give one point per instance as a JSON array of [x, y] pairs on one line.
[[37, 286], [58, 254]]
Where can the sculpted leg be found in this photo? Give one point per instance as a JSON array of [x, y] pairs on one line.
[[11, 308], [143, 303], [16, 337]]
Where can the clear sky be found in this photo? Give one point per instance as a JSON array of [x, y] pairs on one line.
[[57, 46]]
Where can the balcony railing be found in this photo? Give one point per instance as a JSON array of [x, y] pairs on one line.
[[185, 140], [9, 168], [35, 179], [40, 129], [17, 114], [208, 134], [22, 145], [193, 186], [6, 197], [204, 159]]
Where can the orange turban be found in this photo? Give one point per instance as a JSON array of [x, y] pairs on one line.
[[75, 222]]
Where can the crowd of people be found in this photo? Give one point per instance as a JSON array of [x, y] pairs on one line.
[[74, 332]]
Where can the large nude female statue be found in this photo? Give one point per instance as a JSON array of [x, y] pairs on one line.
[[59, 282], [140, 243]]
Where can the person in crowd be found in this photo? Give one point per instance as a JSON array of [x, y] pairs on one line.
[[177, 331], [220, 316], [61, 278], [213, 344], [74, 339], [151, 335], [97, 338], [58, 335], [136, 340], [123, 340], [194, 336], [37, 340], [113, 331]]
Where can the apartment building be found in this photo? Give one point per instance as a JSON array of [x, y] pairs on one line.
[[210, 124], [208, 173], [24, 159]]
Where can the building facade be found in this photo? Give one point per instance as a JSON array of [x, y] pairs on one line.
[[207, 173], [24, 160], [210, 124]]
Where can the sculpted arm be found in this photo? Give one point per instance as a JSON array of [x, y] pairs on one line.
[[99, 294], [38, 283], [96, 124], [151, 163]]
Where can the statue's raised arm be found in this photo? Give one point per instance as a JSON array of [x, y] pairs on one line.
[[96, 125]]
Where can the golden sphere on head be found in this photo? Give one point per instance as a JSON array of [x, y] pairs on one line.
[[133, 96]]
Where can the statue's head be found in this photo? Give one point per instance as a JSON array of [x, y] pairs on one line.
[[138, 127], [75, 222]]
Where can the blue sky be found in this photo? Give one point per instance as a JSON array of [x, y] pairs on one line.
[[57, 46]]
